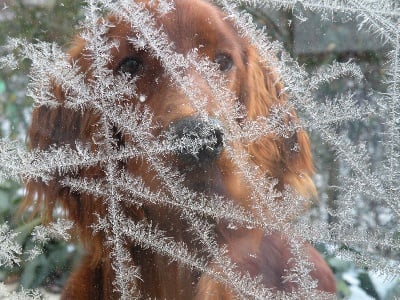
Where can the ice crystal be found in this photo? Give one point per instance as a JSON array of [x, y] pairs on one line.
[[119, 189]]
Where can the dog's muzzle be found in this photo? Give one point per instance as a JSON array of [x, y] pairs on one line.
[[196, 140]]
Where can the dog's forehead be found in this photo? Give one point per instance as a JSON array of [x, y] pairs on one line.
[[190, 24], [196, 23]]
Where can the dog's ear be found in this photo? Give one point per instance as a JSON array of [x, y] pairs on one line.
[[60, 125], [53, 127], [287, 158]]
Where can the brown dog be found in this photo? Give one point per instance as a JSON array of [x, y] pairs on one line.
[[208, 170]]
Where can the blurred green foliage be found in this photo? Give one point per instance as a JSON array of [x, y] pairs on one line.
[[348, 276], [53, 21]]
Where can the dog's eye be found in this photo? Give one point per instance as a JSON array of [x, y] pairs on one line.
[[224, 61], [130, 65]]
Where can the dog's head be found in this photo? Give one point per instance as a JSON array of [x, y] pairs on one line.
[[205, 117]]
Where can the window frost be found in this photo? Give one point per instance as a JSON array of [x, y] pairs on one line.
[[50, 65], [10, 249], [382, 19], [57, 230], [23, 295], [43, 234]]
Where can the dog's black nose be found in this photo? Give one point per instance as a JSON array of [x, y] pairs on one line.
[[196, 140]]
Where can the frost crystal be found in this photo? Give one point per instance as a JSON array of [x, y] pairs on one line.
[[122, 134], [10, 250], [57, 230]]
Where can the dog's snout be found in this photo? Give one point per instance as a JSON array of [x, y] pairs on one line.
[[196, 140]]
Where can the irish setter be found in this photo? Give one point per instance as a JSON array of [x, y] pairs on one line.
[[212, 170]]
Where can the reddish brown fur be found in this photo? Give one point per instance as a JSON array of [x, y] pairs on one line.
[[257, 87]]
